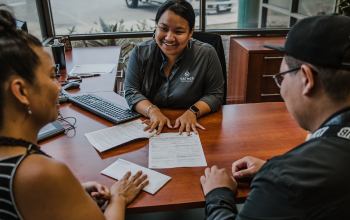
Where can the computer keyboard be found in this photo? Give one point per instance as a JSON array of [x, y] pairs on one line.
[[103, 108]]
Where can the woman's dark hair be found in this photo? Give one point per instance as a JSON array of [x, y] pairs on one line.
[[150, 71], [16, 54]]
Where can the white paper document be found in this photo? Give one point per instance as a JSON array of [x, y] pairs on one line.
[[118, 169], [85, 69], [169, 150], [108, 138]]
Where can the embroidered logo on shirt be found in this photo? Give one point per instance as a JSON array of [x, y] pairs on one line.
[[344, 133], [319, 133], [187, 78]]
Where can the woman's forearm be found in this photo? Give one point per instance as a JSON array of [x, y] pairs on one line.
[[115, 209], [203, 108], [142, 106]]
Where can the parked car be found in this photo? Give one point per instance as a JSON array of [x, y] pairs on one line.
[[211, 5]]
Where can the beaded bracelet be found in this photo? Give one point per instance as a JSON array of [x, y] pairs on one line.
[[149, 108]]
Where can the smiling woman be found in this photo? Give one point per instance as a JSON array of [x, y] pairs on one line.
[[173, 70]]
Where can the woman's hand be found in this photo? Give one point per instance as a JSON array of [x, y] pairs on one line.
[[157, 119], [188, 121], [246, 167], [100, 192], [129, 186]]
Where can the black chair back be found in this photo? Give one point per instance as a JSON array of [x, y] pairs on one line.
[[216, 41]]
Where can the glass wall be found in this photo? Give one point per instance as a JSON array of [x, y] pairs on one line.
[[221, 14], [91, 16], [316, 7], [276, 13], [72, 17], [286, 4], [276, 19], [26, 10]]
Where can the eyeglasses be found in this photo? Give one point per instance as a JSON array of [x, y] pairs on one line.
[[279, 76]]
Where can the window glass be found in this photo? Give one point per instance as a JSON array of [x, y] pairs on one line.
[[315, 7], [26, 10], [90, 16], [221, 14], [286, 4], [93, 17], [276, 19]]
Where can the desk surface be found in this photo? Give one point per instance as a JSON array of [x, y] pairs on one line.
[[261, 130]]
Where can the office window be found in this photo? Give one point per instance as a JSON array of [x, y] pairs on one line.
[[221, 14], [275, 13], [310, 8], [286, 4], [276, 19], [75, 17], [27, 10], [89, 16]]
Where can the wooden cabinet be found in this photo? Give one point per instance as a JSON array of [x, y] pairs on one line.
[[251, 67]]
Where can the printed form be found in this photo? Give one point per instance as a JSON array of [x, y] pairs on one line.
[[108, 138], [170, 150]]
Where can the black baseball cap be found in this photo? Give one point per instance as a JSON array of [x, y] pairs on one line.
[[322, 40]]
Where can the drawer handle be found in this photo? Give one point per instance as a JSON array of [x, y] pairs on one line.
[[270, 58], [121, 73], [267, 75], [276, 94]]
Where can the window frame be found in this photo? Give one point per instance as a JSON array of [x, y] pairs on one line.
[[46, 19]]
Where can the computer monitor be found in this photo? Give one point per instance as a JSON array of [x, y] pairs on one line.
[[22, 25]]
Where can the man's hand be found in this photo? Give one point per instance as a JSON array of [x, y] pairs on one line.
[[246, 167], [215, 178], [100, 192], [188, 122]]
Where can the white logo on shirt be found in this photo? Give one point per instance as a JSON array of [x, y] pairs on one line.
[[319, 133], [187, 78], [344, 133]]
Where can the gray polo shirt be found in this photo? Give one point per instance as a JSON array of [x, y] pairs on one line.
[[196, 75]]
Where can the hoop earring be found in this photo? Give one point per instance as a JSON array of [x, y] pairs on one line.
[[29, 111]]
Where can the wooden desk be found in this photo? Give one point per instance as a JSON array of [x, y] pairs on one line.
[[261, 130]]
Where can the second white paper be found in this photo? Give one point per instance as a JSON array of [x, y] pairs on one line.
[[108, 138], [118, 169], [170, 150]]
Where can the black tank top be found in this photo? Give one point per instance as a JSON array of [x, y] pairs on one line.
[[8, 167]]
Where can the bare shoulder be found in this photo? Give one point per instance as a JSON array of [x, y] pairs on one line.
[[36, 167], [41, 181]]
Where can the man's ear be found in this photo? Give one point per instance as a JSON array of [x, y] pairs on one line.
[[308, 79], [19, 89]]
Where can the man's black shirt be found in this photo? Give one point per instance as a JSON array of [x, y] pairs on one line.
[[312, 181]]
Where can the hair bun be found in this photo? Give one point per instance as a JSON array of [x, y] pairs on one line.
[[7, 22]]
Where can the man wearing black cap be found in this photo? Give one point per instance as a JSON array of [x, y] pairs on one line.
[[312, 181]]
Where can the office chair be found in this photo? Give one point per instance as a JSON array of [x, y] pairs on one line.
[[216, 42]]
